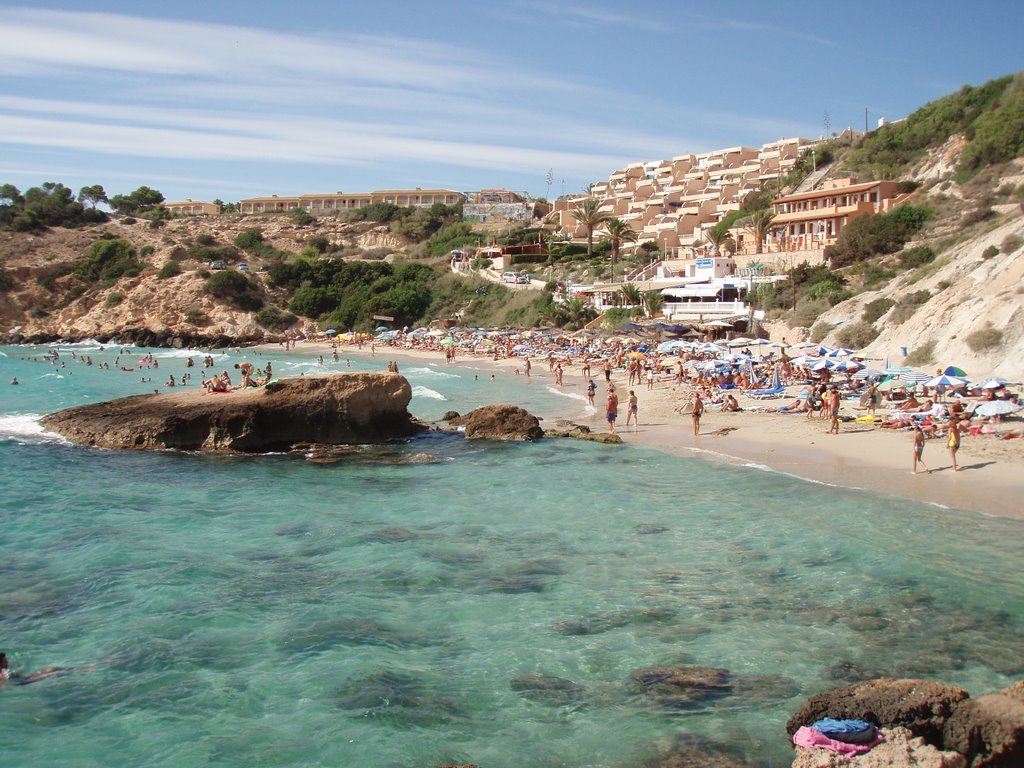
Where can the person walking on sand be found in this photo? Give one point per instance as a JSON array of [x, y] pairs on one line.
[[698, 411], [631, 410], [611, 409], [919, 449], [953, 442], [591, 391]]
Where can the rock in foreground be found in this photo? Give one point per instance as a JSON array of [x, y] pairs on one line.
[[330, 409]]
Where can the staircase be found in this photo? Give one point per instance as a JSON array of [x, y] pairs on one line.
[[812, 180]]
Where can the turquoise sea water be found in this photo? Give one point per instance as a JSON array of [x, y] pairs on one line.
[[268, 611]]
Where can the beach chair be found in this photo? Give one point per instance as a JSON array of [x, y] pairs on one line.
[[765, 394]]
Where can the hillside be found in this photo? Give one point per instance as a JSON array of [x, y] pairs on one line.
[[968, 303], [46, 299]]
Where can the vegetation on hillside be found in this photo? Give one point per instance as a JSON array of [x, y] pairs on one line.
[[991, 116], [48, 205]]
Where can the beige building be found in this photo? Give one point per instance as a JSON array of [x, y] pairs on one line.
[[674, 202], [815, 219], [193, 208], [340, 201]]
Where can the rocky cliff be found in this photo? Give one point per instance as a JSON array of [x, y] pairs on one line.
[[329, 409]]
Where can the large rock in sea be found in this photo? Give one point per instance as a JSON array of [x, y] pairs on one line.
[[921, 706], [330, 409], [501, 422], [989, 729]]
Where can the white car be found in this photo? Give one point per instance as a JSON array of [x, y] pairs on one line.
[[509, 277]]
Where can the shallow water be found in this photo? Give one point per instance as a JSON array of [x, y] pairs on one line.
[[383, 610]]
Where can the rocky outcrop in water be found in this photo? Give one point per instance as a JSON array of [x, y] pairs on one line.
[[501, 422], [924, 724], [331, 410]]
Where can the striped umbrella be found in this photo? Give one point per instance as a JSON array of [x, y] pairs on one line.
[[896, 370], [848, 365], [993, 382], [915, 376]]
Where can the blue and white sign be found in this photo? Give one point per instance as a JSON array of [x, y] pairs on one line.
[[705, 262]]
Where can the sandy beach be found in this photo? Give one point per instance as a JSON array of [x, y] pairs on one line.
[[860, 456]]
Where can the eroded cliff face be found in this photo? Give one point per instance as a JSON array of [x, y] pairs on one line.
[[335, 409]]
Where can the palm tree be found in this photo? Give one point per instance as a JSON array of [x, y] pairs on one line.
[[619, 232], [578, 312], [653, 301], [588, 213], [631, 295], [720, 239], [760, 224]]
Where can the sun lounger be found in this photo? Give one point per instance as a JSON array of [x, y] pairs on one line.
[[764, 394]]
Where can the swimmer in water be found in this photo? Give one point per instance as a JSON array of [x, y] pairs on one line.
[[9, 675]]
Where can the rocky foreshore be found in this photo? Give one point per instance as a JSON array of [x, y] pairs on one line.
[[325, 409]]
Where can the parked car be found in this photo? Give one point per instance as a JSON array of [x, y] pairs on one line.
[[218, 264], [243, 267], [509, 277]]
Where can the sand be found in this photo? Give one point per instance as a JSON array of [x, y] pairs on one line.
[[860, 456]]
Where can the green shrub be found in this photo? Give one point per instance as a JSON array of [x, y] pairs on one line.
[[274, 319], [195, 315], [923, 355], [205, 238], [857, 335], [235, 288], [908, 305], [875, 309], [108, 260], [481, 263], [249, 240], [169, 269], [114, 298], [820, 331], [73, 293], [875, 234], [916, 257], [991, 252], [944, 284], [907, 186], [301, 217], [146, 250], [1011, 243], [807, 311], [984, 339], [977, 215]]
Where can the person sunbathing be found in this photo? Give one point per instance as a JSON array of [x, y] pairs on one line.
[[797, 406], [908, 405]]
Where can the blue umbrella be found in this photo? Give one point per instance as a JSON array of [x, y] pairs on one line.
[[330, 331], [946, 381]]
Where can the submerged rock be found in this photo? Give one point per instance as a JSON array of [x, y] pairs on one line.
[[330, 409], [682, 687], [546, 689]]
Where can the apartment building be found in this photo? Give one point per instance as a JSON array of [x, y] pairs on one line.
[[340, 201], [193, 208], [673, 202], [815, 219]]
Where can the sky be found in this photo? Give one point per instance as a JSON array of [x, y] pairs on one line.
[[227, 99]]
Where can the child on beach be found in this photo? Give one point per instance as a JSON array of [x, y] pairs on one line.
[[919, 449]]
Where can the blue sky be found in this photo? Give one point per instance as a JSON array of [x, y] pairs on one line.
[[226, 99]]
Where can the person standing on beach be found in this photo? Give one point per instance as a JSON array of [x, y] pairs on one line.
[[954, 442], [607, 370], [591, 391], [611, 409], [698, 411], [631, 410], [919, 449], [526, 366], [832, 403]]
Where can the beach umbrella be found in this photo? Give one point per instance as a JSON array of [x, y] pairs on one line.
[[993, 382], [952, 370], [822, 364], [889, 384], [330, 331], [915, 376], [868, 373], [849, 365], [896, 370], [996, 408], [946, 381], [841, 352]]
